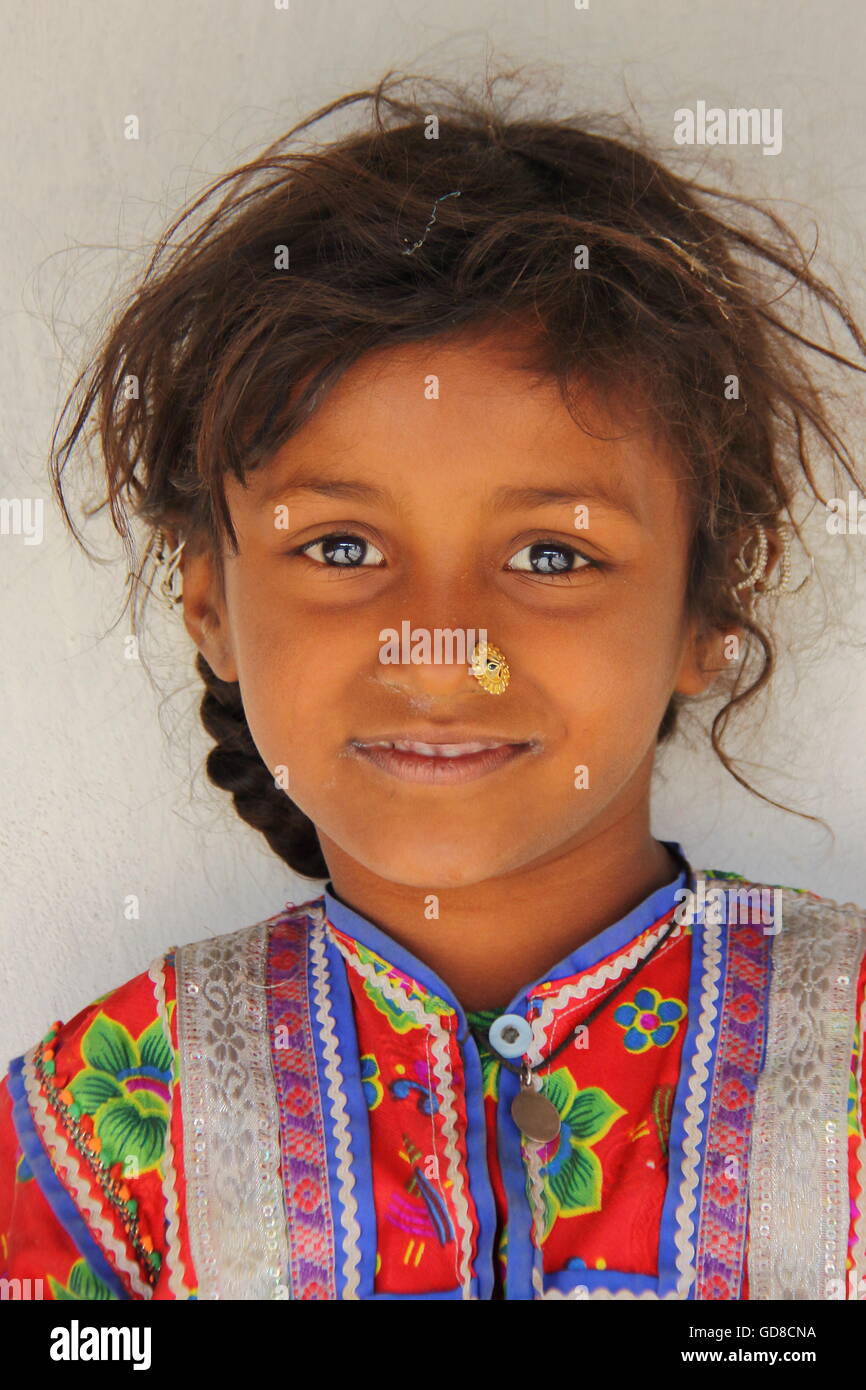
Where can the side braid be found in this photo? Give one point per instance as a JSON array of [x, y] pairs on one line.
[[236, 766]]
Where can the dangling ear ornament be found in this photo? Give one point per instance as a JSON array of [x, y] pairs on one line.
[[169, 563], [755, 572]]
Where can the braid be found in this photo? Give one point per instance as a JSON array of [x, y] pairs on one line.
[[236, 765]]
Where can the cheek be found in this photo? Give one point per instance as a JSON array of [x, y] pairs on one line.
[[276, 668], [610, 680], [623, 657], [299, 687]]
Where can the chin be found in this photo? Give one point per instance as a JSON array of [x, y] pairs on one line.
[[431, 868]]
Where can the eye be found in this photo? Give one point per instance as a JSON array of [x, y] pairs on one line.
[[341, 550], [550, 558]]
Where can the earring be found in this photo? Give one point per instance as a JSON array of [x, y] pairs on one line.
[[754, 573], [490, 668], [156, 550], [782, 583]]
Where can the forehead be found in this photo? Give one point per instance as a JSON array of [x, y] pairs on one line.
[[463, 415]]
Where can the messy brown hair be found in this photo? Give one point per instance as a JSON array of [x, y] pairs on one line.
[[232, 352]]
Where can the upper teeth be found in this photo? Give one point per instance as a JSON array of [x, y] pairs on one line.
[[431, 750]]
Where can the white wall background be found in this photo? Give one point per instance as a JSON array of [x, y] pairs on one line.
[[103, 792]]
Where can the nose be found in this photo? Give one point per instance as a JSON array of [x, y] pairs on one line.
[[430, 663]]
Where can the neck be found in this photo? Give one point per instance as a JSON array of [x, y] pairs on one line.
[[493, 938]]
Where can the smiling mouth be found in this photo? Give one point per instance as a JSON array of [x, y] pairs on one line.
[[435, 750], [413, 760]]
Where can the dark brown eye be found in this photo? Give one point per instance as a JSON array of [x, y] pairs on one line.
[[550, 558], [342, 550]]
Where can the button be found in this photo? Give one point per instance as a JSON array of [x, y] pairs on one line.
[[511, 1035]]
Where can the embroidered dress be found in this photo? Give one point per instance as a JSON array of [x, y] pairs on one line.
[[301, 1110]]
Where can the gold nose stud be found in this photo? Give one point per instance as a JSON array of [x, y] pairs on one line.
[[490, 668]]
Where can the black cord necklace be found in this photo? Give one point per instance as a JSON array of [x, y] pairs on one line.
[[533, 1112]]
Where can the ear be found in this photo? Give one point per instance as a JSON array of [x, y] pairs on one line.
[[205, 614], [706, 655]]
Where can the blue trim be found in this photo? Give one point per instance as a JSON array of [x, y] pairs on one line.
[[52, 1188], [347, 920], [668, 1273], [480, 1186], [448, 1296], [349, 1060], [520, 1252], [567, 1280]]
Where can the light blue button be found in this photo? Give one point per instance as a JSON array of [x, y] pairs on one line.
[[511, 1035]]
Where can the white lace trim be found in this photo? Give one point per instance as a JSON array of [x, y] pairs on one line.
[[798, 1173], [236, 1214]]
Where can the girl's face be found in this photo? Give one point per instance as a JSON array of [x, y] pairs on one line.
[[458, 493]]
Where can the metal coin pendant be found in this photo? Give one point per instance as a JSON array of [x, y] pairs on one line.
[[536, 1117]]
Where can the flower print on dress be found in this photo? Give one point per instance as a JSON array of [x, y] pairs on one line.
[[571, 1173], [649, 1020], [125, 1089]]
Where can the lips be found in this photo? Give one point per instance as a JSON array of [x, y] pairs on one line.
[[434, 750], [438, 761]]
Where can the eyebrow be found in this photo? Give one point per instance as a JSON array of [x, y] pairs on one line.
[[598, 491], [331, 487], [504, 498]]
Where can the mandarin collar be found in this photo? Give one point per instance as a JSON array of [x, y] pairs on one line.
[[608, 941]]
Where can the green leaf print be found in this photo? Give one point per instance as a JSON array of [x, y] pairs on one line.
[[577, 1185], [154, 1050], [592, 1114], [126, 1088], [587, 1114], [126, 1132], [93, 1088], [560, 1089], [83, 1284], [571, 1174], [107, 1046]]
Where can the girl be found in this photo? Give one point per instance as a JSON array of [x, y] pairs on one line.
[[469, 446]]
